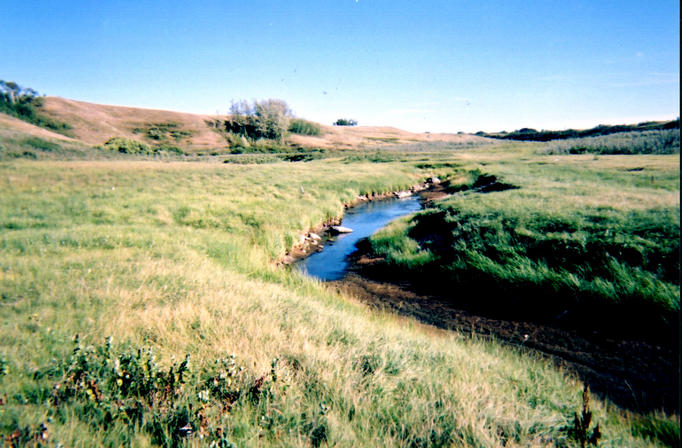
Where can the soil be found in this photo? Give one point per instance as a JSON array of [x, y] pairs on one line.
[[635, 375]]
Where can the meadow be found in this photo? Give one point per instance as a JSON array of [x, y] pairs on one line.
[[143, 305]]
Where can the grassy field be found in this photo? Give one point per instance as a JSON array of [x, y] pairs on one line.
[[170, 259]]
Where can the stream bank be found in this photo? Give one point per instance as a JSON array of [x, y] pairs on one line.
[[636, 375], [315, 238]]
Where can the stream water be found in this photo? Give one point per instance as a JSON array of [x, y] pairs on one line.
[[365, 219]]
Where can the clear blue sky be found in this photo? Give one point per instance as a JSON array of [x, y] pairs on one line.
[[450, 65]]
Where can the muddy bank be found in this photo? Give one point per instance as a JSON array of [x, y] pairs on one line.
[[633, 374]]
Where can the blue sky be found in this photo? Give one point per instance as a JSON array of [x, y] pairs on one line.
[[457, 65]]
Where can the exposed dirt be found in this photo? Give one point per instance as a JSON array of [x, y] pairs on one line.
[[635, 375]]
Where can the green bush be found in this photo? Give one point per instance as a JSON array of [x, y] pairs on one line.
[[127, 146], [130, 146], [345, 122], [268, 119], [304, 127]]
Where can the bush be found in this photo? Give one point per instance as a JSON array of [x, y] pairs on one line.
[[268, 119], [130, 146], [345, 122], [304, 127], [127, 146]]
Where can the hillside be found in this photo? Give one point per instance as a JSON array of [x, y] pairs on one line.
[[94, 124]]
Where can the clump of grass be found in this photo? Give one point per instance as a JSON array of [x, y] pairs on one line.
[[40, 144], [163, 132], [662, 429], [130, 146], [375, 157]]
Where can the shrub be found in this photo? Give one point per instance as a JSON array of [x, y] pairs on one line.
[[345, 122], [268, 119], [127, 146], [130, 146], [304, 127]]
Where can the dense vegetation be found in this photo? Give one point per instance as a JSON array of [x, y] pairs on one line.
[[529, 134], [164, 133], [644, 142], [131, 146], [25, 104], [304, 127], [268, 119], [171, 259]]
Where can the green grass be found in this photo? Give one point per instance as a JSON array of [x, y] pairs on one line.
[[645, 142], [16, 145], [179, 258], [594, 240]]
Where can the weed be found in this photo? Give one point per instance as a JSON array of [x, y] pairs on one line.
[[581, 431], [107, 389]]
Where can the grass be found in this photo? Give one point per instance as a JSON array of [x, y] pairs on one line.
[[179, 258], [16, 145], [644, 142], [595, 241]]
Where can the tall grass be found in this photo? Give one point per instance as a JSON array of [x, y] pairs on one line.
[[179, 258], [646, 142]]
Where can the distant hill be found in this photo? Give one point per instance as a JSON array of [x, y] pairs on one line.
[[94, 124]]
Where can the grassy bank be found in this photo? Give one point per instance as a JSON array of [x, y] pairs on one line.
[[583, 241], [177, 258]]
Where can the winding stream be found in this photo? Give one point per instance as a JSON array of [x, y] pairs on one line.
[[365, 219]]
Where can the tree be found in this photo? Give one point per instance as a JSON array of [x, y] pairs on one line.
[[345, 122], [263, 119]]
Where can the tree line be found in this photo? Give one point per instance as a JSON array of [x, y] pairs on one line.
[[530, 134]]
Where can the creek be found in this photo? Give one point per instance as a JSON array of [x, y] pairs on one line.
[[365, 219]]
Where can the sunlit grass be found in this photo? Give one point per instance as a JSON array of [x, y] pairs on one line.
[[180, 257]]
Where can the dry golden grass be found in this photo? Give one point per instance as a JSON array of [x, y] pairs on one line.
[[14, 127], [95, 123]]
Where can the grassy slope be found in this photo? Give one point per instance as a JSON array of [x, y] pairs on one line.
[[177, 257], [93, 124]]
